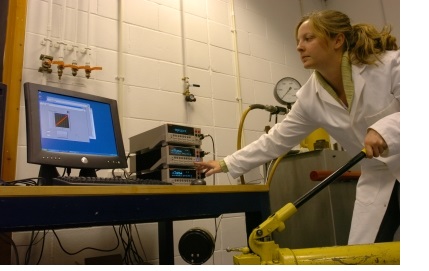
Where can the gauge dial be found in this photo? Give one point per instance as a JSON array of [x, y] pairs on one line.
[[286, 89]]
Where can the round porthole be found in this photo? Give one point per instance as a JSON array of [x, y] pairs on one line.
[[196, 246]]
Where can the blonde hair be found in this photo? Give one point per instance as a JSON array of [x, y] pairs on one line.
[[363, 41]]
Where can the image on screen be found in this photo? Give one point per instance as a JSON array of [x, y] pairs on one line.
[[65, 118]]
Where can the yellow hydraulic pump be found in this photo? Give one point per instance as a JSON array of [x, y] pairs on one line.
[[262, 250]]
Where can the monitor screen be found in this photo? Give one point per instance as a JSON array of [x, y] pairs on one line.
[[72, 130]]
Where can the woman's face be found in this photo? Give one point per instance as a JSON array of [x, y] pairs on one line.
[[315, 53]]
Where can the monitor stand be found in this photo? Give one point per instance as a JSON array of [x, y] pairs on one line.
[[47, 172], [87, 172]]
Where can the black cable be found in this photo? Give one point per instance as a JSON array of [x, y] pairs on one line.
[[125, 259], [131, 254], [140, 242], [85, 248], [30, 246], [213, 146], [216, 232], [130, 247], [136, 254], [217, 227], [27, 182], [214, 157], [214, 153], [125, 172], [43, 246], [127, 245]]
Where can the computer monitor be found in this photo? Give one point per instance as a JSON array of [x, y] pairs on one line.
[[3, 90], [72, 129]]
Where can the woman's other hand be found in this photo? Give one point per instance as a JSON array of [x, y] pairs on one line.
[[374, 144]]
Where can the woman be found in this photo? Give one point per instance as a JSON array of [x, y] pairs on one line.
[[353, 94]]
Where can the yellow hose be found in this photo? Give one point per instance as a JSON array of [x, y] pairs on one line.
[[239, 141], [273, 169], [240, 132]]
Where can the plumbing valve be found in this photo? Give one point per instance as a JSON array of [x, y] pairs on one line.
[[60, 66], [189, 97], [74, 67], [46, 63], [88, 70], [276, 110]]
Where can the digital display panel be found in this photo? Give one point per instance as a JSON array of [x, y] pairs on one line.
[[181, 130], [182, 151], [183, 173]]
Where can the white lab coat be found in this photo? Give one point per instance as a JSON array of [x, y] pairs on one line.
[[375, 104]]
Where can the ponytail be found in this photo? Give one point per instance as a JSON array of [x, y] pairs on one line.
[[366, 43]]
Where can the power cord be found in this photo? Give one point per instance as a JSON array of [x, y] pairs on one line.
[[26, 182], [131, 255], [85, 248], [214, 152], [140, 241], [30, 247], [126, 174], [32, 243], [216, 232]]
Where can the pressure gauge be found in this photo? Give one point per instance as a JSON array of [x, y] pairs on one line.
[[286, 89]]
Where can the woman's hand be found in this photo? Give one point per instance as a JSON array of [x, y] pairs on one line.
[[374, 144], [209, 167]]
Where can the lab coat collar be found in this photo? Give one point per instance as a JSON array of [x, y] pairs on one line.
[[358, 82]]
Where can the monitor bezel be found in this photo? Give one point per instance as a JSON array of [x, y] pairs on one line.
[[68, 160]]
